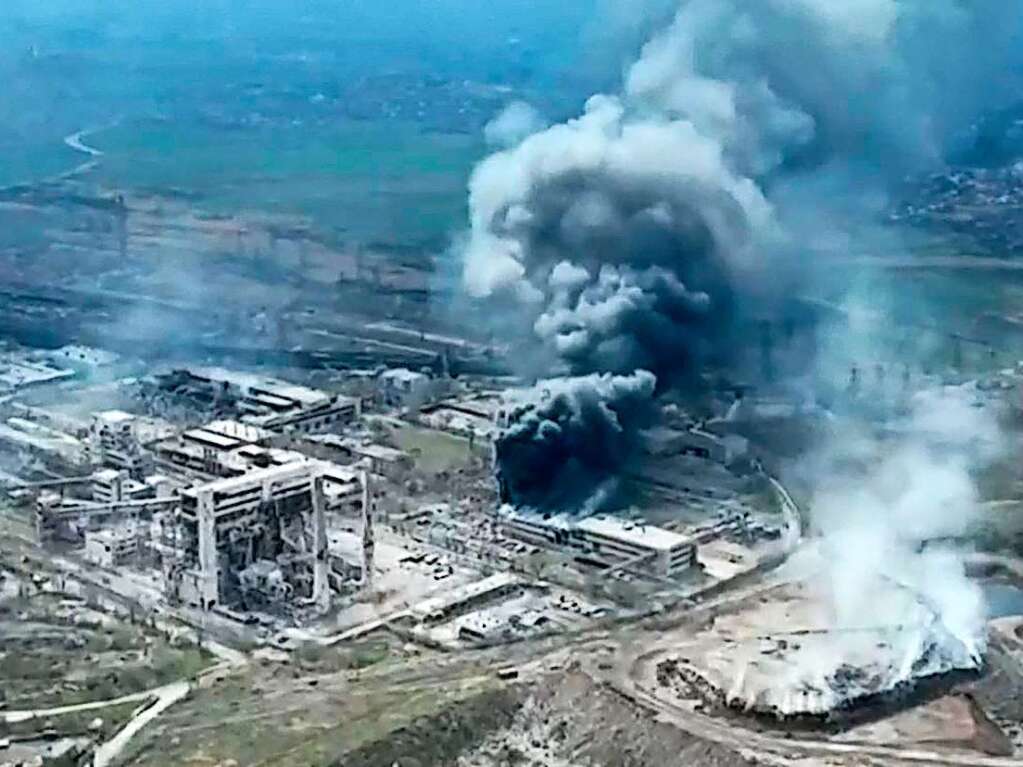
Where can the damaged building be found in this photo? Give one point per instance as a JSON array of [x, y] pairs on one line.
[[268, 403], [260, 537]]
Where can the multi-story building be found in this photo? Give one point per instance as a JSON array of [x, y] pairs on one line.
[[605, 540], [268, 403], [113, 546], [112, 442], [274, 514]]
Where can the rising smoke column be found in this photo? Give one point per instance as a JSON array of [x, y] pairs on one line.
[[744, 136], [889, 512], [567, 438]]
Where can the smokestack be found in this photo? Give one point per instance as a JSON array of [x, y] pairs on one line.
[[368, 541]]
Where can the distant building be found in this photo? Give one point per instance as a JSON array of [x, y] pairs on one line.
[[664, 441], [400, 387], [268, 403], [464, 599], [85, 359], [218, 449], [475, 417], [386, 461], [113, 486], [112, 442], [19, 371]]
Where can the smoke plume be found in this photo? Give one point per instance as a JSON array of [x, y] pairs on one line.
[[747, 142], [568, 436], [515, 122], [891, 512]]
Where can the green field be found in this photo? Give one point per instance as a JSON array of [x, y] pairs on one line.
[[367, 180], [27, 159], [433, 451]]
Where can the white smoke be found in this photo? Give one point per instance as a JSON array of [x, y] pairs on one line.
[[515, 122], [891, 512]]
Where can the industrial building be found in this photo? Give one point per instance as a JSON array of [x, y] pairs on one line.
[[664, 441], [264, 402], [18, 371], [605, 541], [272, 519], [469, 597], [112, 442], [114, 546], [113, 486], [474, 417], [383, 460], [400, 387], [217, 449]]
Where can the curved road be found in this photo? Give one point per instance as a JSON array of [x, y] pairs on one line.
[[166, 697], [74, 141], [744, 741]]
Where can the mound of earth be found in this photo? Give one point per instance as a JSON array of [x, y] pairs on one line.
[[571, 721], [566, 720]]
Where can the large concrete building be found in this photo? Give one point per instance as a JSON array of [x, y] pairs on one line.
[[605, 541], [265, 402], [113, 546], [112, 441], [272, 518]]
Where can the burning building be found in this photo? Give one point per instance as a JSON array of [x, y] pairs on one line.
[[638, 247]]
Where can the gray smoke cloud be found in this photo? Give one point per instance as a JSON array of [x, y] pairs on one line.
[[747, 143], [568, 437], [739, 127]]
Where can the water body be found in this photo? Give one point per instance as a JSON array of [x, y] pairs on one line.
[[1003, 599]]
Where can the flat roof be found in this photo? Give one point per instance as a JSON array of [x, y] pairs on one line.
[[341, 473], [403, 374], [637, 534], [465, 592], [626, 531], [238, 430], [211, 438], [383, 452], [256, 477], [257, 385], [114, 416]]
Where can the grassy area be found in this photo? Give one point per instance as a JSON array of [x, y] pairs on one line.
[[16, 523], [382, 181], [29, 158], [434, 451], [317, 658], [54, 655], [264, 719], [113, 718]]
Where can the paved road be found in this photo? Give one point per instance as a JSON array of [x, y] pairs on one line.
[[166, 697], [74, 141], [12, 717]]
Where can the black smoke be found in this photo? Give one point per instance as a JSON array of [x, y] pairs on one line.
[[749, 143], [568, 437]]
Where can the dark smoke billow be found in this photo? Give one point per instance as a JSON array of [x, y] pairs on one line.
[[747, 139], [569, 436]]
